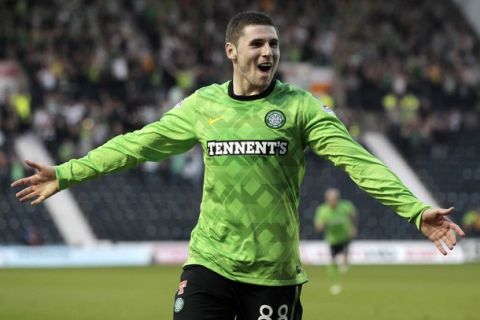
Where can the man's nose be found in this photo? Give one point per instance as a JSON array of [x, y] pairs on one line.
[[266, 50]]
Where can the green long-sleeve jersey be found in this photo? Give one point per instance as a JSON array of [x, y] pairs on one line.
[[253, 150]]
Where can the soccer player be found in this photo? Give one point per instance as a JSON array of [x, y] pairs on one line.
[[337, 219], [244, 259]]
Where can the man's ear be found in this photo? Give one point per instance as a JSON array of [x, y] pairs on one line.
[[231, 51]]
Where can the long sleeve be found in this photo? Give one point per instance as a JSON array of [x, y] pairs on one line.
[[174, 133], [328, 137]]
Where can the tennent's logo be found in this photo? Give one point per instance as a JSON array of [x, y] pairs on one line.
[[248, 147]]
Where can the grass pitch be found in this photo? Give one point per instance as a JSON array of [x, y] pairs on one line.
[[370, 292]]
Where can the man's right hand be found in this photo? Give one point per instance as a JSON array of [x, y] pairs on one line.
[[42, 185]]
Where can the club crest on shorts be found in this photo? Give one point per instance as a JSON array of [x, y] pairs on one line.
[[275, 119], [179, 303]]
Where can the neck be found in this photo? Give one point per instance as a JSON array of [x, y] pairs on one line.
[[262, 94], [242, 87]]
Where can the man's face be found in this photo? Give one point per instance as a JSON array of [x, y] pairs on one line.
[[255, 57], [331, 196]]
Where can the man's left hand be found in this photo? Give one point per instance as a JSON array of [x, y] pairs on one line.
[[438, 228]]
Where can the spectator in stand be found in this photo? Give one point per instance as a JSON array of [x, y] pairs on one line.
[[30, 236], [471, 221], [4, 171]]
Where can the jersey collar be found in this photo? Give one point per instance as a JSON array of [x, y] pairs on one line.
[[253, 97]]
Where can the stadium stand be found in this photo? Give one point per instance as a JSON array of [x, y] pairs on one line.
[[94, 69], [129, 206], [451, 170], [25, 224], [19, 223]]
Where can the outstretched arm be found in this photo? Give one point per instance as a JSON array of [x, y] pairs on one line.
[[327, 136], [41, 185], [438, 228]]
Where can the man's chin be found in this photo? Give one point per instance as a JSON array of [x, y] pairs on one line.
[[265, 80]]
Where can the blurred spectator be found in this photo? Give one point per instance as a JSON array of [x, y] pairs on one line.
[[17, 170], [4, 172], [31, 237], [471, 222]]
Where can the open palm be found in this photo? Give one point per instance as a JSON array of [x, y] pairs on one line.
[[438, 228], [41, 185]]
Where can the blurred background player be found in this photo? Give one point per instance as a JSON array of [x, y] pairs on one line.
[[337, 219]]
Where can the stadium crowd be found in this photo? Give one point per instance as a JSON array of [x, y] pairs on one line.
[[98, 68], [87, 70]]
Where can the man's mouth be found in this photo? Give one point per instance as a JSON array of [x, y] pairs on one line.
[[265, 66]]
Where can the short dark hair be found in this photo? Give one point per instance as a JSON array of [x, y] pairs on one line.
[[240, 20]]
